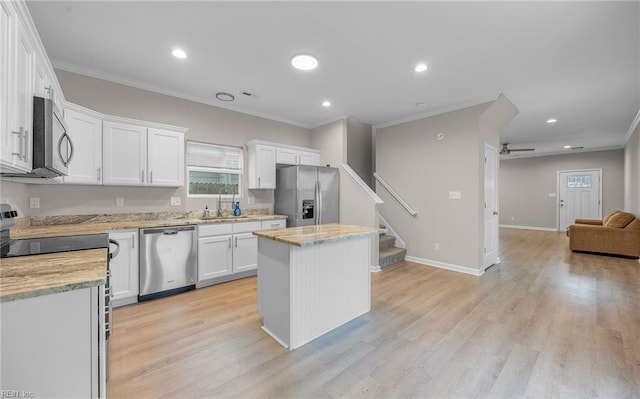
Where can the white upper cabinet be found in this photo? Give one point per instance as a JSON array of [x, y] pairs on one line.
[[85, 130], [25, 71], [165, 158], [289, 156], [125, 154], [140, 156], [263, 157], [262, 166], [17, 82]]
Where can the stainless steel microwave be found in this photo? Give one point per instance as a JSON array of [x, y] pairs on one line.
[[52, 146]]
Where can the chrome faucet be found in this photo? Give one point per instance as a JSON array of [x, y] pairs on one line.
[[219, 204]]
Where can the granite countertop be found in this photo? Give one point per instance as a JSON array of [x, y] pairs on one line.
[[30, 276], [313, 235], [55, 226]]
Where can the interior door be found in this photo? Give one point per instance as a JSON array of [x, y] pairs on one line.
[[580, 196], [490, 206]]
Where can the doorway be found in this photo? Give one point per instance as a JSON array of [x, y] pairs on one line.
[[579, 196], [490, 206]]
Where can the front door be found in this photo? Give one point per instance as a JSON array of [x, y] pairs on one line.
[[490, 206], [580, 196]]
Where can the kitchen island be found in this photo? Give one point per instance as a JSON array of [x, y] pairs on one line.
[[312, 279]]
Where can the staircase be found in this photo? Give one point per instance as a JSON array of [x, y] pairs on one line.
[[389, 254]]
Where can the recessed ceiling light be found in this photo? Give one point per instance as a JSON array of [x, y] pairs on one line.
[[420, 68], [567, 147], [326, 103], [179, 53], [552, 120], [304, 62], [222, 96]]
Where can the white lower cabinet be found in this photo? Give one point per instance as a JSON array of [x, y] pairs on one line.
[[214, 257], [245, 252], [228, 250], [51, 346], [125, 268]]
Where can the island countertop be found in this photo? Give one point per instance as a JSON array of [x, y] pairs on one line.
[[30, 276], [318, 234]]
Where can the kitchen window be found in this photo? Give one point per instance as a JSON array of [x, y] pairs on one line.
[[213, 170]]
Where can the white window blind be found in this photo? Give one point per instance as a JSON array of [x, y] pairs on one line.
[[214, 170]]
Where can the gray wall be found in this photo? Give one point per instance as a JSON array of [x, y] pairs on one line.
[[632, 173], [360, 149], [205, 123], [331, 140], [525, 185], [423, 171]]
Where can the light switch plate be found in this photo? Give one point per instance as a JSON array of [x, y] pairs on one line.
[[175, 201], [34, 202], [119, 201], [455, 195]]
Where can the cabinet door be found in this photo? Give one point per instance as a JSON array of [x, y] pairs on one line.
[[86, 134], [266, 166], [165, 157], [20, 106], [6, 35], [41, 84], [124, 152], [286, 156], [214, 257], [245, 252], [125, 267], [309, 158]]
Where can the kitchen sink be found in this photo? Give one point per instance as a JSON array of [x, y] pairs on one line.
[[223, 217]]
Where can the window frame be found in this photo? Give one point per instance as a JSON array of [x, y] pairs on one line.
[[239, 172]]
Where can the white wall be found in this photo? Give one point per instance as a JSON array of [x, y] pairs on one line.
[[205, 123], [632, 172], [424, 170], [527, 182]]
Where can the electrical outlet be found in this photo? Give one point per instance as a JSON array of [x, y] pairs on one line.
[[119, 201], [436, 246], [175, 201], [251, 199], [455, 195], [34, 202]]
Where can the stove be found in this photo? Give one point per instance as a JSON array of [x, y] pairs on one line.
[[37, 246]]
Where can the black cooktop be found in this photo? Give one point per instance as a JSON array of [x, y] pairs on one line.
[[39, 246]]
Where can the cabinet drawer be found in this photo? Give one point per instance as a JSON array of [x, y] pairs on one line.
[[274, 224], [246, 227], [214, 229]]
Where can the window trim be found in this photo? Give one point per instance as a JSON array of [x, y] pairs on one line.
[[239, 172]]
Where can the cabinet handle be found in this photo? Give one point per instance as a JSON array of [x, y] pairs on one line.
[[151, 177], [26, 145], [133, 242], [229, 242], [259, 182], [142, 175], [236, 242], [19, 153], [99, 172]]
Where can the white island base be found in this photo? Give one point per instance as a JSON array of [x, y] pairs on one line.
[[306, 291]]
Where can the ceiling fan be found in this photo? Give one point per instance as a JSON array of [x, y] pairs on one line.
[[506, 150]]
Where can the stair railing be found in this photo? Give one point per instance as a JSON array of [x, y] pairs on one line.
[[395, 195]]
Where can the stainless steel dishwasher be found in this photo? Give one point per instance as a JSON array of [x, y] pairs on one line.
[[168, 261]]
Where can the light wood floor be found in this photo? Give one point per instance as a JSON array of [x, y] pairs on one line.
[[544, 323]]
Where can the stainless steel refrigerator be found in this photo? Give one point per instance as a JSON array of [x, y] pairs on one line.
[[308, 195]]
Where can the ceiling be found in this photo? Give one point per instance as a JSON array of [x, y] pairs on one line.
[[578, 62]]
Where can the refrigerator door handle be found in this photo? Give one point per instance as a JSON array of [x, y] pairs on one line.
[[319, 203]]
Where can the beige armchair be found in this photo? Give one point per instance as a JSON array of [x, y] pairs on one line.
[[617, 233]]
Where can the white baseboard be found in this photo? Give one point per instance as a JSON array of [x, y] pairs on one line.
[[375, 268], [447, 266], [513, 226]]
